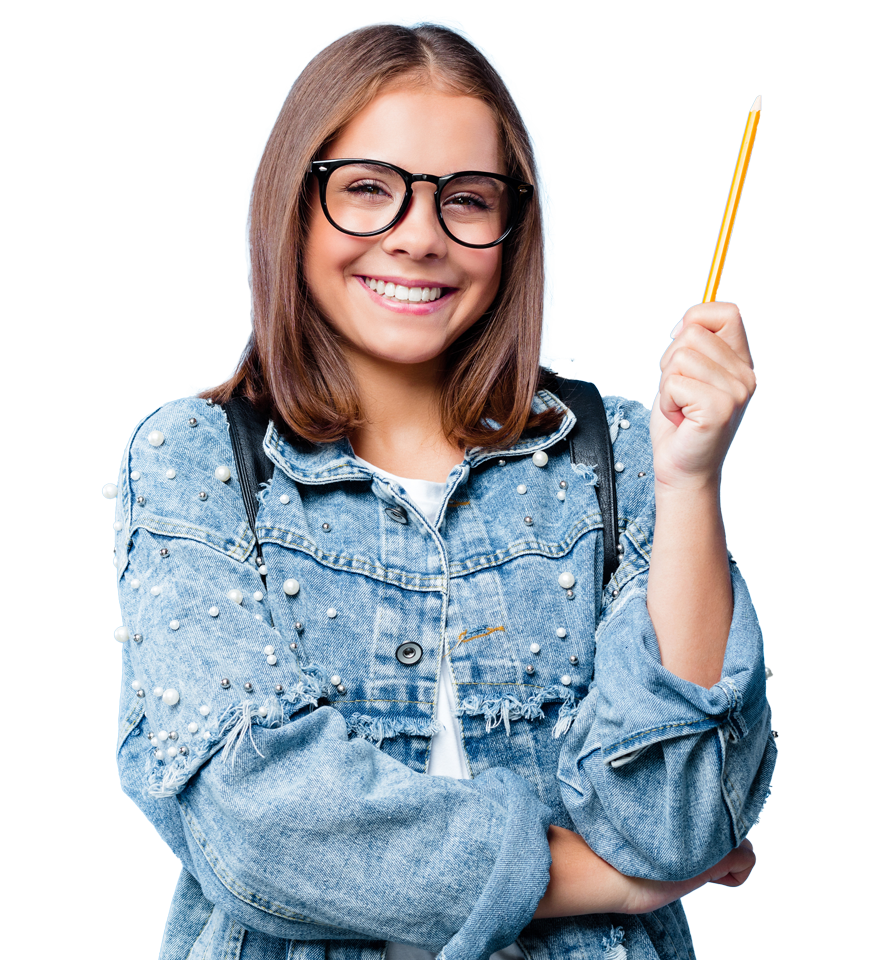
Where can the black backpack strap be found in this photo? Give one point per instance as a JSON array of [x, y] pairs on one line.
[[590, 443], [247, 428]]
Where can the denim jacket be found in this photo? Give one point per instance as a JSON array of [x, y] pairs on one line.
[[275, 723]]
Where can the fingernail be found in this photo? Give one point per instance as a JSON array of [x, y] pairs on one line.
[[676, 329]]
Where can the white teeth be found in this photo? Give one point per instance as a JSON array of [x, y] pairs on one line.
[[397, 291]]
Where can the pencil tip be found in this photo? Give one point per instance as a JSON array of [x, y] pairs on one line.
[[756, 105]]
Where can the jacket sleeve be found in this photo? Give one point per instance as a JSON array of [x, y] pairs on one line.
[[291, 827], [663, 777]]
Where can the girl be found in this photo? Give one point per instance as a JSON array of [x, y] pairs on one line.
[[420, 590]]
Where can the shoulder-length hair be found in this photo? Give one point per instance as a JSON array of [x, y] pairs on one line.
[[292, 367]]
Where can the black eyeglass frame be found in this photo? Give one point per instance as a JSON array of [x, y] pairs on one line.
[[521, 193]]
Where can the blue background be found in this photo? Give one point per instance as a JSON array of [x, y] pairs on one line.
[[155, 124]]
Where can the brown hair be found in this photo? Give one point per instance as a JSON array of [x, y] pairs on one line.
[[292, 367]]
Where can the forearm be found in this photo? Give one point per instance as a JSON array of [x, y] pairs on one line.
[[689, 594]]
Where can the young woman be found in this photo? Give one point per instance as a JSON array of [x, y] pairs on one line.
[[407, 716]]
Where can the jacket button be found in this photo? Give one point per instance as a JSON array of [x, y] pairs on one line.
[[408, 653], [397, 513]]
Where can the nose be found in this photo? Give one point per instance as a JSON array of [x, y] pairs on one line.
[[418, 234]]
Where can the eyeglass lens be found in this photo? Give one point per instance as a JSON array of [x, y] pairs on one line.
[[365, 198]]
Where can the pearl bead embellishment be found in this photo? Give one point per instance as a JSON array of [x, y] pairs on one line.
[[170, 697], [335, 680], [263, 711], [109, 490], [117, 524], [192, 726], [158, 691], [291, 587], [521, 488], [172, 752], [222, 474], [136, 685], [331, 613], [272, 660], [155, 590], [624, 424], [539, 458], [284, 498], [268, 649], [170, 473], [258, 595], [619, 467], [560, 495], [213, 611], [135, 474], [175, 624], [235, 596], [163, 735], [204, 709], [565, 680], [535, 648], [160, 754], [155, 438], [121, 634], [561, 632], [135, 584], [566, 580]]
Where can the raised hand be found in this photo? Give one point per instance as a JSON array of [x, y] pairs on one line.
[[706, 384]]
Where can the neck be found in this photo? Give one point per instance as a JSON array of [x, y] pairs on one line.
[[402, 432]]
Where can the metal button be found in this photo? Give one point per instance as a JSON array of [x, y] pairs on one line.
[[397, 514], [408, 653]]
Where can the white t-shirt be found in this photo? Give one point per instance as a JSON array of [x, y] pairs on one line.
[[447, 758]]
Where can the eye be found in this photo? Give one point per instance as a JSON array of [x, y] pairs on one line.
[[367, 188]]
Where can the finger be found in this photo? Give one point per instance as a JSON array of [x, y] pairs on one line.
[[684, 398], [722, 319], [696, 365], [699, 339]]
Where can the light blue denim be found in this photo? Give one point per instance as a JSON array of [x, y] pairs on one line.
[[278, 737]]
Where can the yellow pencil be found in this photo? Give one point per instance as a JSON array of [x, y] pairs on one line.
[[739, 178]]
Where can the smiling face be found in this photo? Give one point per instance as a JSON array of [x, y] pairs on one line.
[[422, 130]]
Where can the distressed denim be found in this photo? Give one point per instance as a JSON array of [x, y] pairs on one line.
[[276, 728]]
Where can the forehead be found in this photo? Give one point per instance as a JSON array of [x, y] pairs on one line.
[[424, 131]]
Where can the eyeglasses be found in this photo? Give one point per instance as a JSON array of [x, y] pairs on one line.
[[364, 198]]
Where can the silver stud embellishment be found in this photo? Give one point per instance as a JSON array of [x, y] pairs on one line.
[[528, 521], [566, 580], [193, 422], [248, 687], [155, 438], [331, 613], [341, 688], [570, 594], [522, 488], [141, 694], [137, 637], [563, 485], [561, 632], [615, 593], [183, 751], [209, 402], [140, 501], [225, 683], [530, 669], [642, 473], [109, 490], [235, 596], [120, 634], [163, 552], [279, 689], [298, 626], [203, 495], [325, 527], [624, 424], [175, 624], [292, 645], [284, 498], [222, 474], [213, 611], [501, 463], [573, 661], [291, 587], [619, 467], [535, 648], [171, 473], [540, 458]]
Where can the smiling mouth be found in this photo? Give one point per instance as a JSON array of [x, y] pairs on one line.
[[397, 291]]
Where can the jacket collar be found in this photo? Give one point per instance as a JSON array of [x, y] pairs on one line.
[[316, 463]]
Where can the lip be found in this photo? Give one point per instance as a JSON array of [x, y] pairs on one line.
[[418, 308]]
